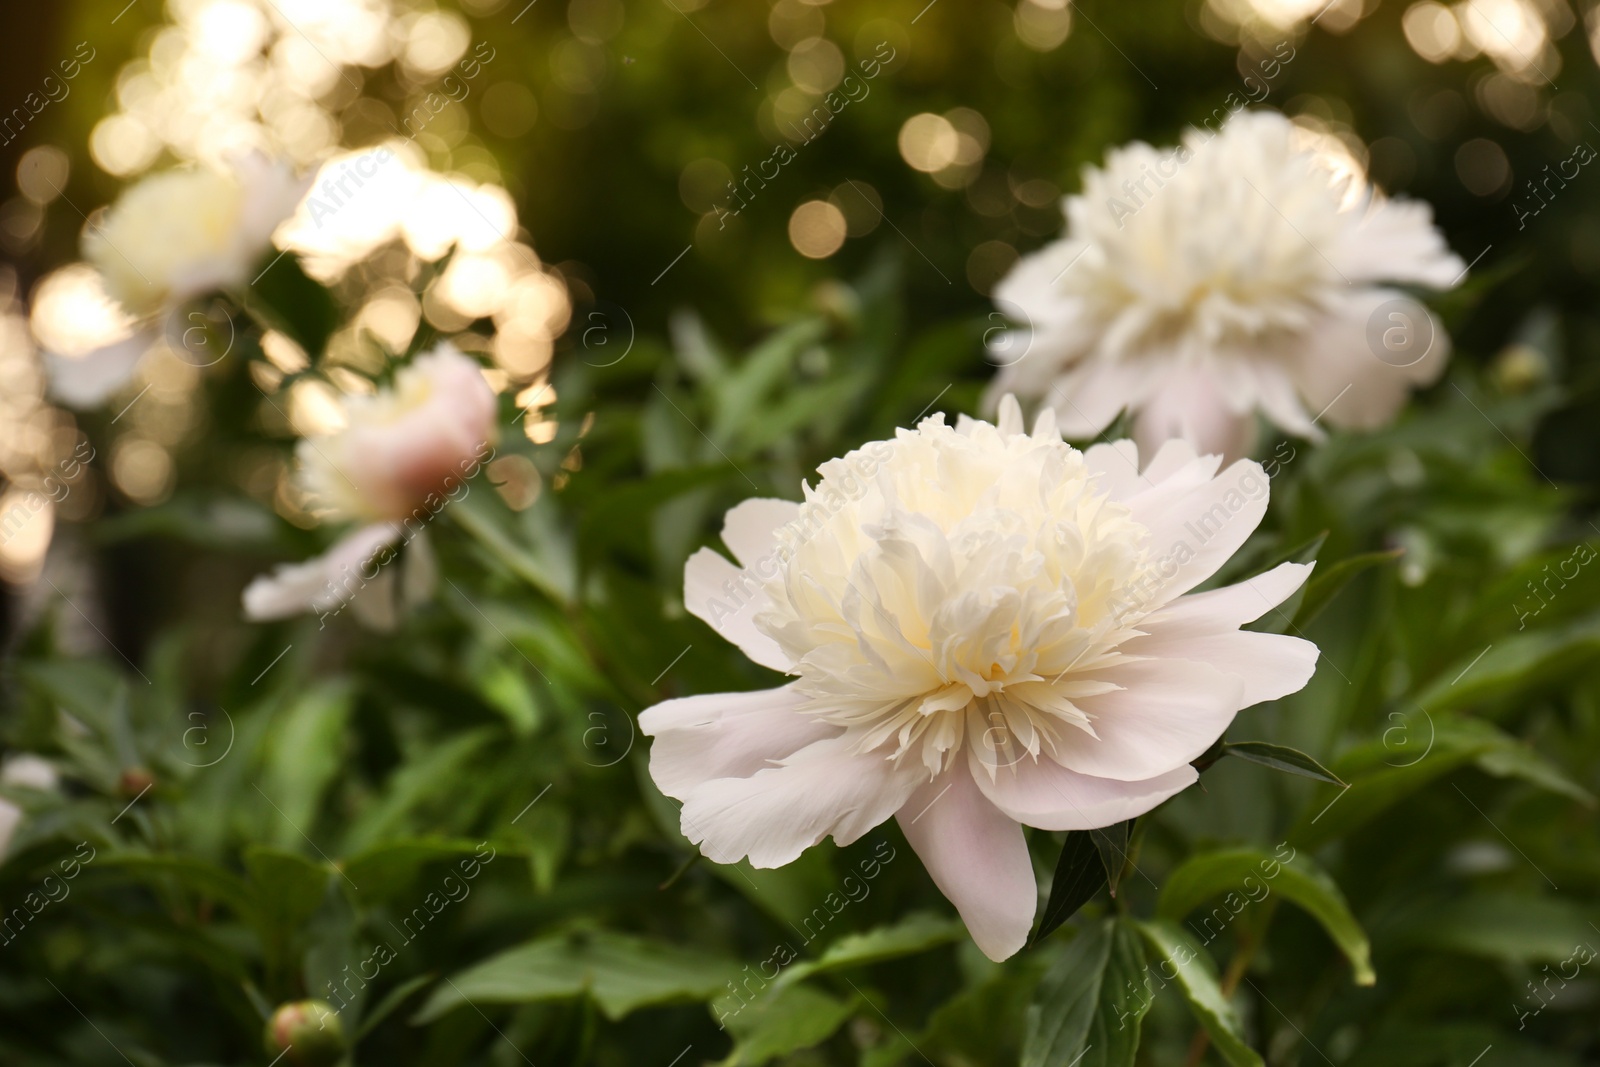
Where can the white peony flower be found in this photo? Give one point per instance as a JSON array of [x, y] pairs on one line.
[[988, 630], [169, 238], [1238, 272], [401, 457], [184, 233], [25, 771]]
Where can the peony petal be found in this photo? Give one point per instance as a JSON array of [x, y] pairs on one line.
[[321, 583], [1200, 530], [978, 858], [1117, 465], [90, 380], [1396, 241], [725, 735], [1270, 665], [1232, 606], [727, 599], [826, 788], [1341, 376], [1089, 396], [1190, 406], [750, 527], [1167, 712], [1049, 796]]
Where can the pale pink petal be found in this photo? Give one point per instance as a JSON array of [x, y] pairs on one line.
[[1089, 396], [1270, 665], [727, 599], [1191, 406], [749, 527], [90, 380], [1340, 374], [1396, 241], [323, 582], [725, 735], [1196, 533], [1051, 797], [1117, 465], [978, 858], [1232, 606], [825, 789], [1167, 712]]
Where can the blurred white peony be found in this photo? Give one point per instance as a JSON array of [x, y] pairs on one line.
[[987, 630], [23, 771], [1239, 272], [169, 238], [402, 455]]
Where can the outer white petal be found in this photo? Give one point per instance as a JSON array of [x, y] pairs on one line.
[[30, 772], [320, 583], [1168, 712], [1396, 241], [1191, 406], [91, 379], [1049, 796], [1088, 397], [1201, 530], [749, 527], [1269, 665], [977, 856], [775, 814], [1233, 605], [730, 609], [725, 735], [1339, 372], [1117, 465]]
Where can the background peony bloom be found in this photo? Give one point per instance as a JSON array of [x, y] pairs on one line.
[[402, 456], [171, 237], [988, 630], [22, 771], [1238, 272]]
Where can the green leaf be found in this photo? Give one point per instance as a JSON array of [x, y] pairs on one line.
[[1280, 758], [1515, 928], [1329, 583], [1517, 760], [431, 774], [916, 933], [387, 870], [1112, 844], [289, 886], [392, 1000], [304, 752], [621, 972], [195, 875], [1196, 975], [1079, 876], [787, 1020], [1512, 664], [1090, 1005], [1239, 874]]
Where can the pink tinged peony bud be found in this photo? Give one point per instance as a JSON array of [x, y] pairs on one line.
[[306, 1033]]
